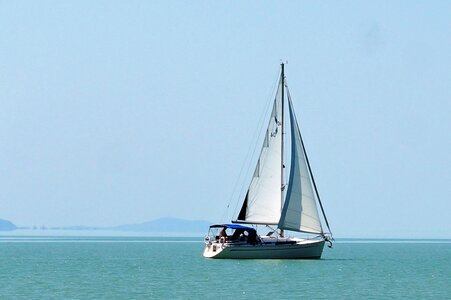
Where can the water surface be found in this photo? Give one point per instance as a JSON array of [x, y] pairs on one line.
[[166, 268]]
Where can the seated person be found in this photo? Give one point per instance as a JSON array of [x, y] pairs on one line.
[[223, 233], [236, 234]]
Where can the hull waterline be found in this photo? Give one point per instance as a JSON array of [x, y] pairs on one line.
[[302, 250]]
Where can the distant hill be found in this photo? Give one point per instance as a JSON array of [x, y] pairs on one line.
[[165, 225], [76, 227], [162, 225], [6, 225]]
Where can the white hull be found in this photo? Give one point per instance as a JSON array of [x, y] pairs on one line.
[[306, 249]]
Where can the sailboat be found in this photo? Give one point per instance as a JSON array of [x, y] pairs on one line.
[[283, 206]]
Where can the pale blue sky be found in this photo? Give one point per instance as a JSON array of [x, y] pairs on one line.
[[117, 112]]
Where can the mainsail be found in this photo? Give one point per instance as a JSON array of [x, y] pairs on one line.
[[260, 205]]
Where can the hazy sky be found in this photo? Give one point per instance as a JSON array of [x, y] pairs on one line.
[[117, 112]]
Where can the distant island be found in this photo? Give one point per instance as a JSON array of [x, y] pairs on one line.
[[6, 225], [166, 225], [162, 225]]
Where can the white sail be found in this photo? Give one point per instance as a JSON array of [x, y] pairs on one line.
[[299, 212], [262, 204]]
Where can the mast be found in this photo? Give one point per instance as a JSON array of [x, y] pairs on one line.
[[283, 132]]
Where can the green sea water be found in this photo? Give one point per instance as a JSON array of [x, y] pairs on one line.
[[173, 268]]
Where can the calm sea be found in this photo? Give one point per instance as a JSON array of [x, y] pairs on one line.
[[168, 268]]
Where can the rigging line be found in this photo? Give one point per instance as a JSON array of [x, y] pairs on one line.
[[309, 168], [247, 159]]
